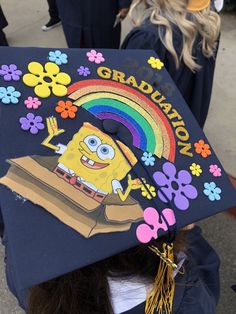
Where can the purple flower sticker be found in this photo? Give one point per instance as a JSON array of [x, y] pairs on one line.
[[83, 71], [175, 186], [10, 72], [32, 123]]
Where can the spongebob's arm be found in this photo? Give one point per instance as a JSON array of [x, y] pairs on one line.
[[123, 195], [47, 143], [132, 185], [52, 132]]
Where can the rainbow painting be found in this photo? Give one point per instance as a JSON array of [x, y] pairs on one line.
[[150, 129]]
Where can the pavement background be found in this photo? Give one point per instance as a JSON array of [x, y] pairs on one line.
[[25, 20]]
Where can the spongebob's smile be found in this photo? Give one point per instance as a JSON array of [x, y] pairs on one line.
[[89, 163]]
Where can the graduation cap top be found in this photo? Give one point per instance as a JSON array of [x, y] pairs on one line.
[[198, 5], [99, 152]]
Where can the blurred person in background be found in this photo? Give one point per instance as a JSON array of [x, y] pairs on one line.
[[185, 35], [92, 24], [230, 5], [54, 16], [3, 24]]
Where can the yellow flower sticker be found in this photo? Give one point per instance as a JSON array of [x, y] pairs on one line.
[[195, 169], [148, 190], [47, 79], [155, 63]]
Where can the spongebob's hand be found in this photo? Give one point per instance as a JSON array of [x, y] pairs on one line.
[[53, 127], [52, 131], [134, 184]]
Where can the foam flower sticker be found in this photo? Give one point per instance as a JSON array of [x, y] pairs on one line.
[[215, 170], [10, 72], [83, 71], [9, 95], [46, 80], [212, 191], [148, 159], [155, 63], [94, 56], [32, 123], [32, 103], [202, 149], [58, 57], [148, 191], [153, 223], [195, 169], [175, 186], [66, 109]]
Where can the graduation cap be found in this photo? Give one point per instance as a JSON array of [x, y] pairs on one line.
[[99, 153]]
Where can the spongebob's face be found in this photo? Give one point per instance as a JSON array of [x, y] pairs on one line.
[[95, 157], [96, 153]]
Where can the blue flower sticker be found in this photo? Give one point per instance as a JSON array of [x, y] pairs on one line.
[[9, 95], [58, 57], [212, 191], [148, 159]]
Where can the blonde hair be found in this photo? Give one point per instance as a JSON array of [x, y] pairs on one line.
[[165, 13]]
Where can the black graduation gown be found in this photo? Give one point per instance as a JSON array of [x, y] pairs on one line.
[[3, 24], [89, 24], [3, 21], [197, 291], [196, 88]]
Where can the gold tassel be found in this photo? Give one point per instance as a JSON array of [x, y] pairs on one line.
[[160, 299]]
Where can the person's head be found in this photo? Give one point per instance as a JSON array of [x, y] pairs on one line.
[[86, 290], [167, 13]]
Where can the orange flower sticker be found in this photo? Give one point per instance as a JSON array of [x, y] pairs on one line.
[[202, 149], [66, 109]]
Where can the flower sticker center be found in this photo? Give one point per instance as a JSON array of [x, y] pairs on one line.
[[175, 186], [46, 80]]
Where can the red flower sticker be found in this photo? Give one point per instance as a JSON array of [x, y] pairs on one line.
[[66, 109], [202, 149]]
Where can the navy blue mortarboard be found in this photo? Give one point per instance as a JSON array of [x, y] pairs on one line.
[[99, 153]]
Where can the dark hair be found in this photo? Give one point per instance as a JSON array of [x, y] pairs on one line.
[[86, 290]]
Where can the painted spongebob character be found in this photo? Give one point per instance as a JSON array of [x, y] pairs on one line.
[[92, 159]]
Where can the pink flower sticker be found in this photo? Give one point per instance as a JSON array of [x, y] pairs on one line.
[[32, 103], [215, 170], [94, 56], [149, 230]]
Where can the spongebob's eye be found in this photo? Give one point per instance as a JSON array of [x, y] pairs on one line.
[[92, 142], [105, 152]]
